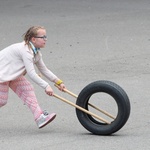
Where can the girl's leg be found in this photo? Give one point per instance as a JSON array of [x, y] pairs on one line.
[[4, 93], [23, 88]]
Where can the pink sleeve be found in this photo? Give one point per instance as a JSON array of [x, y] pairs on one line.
[[44, 70], [29, 66]]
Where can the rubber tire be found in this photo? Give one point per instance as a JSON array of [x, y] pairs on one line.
[[118, 94]]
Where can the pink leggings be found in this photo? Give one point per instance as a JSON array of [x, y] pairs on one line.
[[23, 88]]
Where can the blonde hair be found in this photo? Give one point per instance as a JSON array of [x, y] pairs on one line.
[[31, 32]]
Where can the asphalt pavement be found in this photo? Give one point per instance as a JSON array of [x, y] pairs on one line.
[[88, 40]]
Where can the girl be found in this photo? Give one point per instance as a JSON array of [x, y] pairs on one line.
[[19, 59]]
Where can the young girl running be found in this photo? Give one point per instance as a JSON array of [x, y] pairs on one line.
[[18, 59]]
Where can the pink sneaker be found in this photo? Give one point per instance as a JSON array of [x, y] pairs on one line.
[[44, 119]]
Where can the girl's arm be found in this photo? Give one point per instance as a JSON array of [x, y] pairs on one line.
[[29, 66], [48, 74]]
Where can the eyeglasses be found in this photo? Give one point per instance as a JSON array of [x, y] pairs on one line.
[[42, 37]]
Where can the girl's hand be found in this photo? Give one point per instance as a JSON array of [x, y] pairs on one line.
[[61, 87], [59, 84], [49, 91]]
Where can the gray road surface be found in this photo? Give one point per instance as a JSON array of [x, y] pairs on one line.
[[88, 40]]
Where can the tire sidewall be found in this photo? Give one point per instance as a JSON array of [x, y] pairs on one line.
[[119, 96]]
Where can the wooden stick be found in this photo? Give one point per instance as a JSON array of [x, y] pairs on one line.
[[80, 108], [69, 92], [102, 111]]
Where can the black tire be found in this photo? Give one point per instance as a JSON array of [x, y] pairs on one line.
[[122, 104]]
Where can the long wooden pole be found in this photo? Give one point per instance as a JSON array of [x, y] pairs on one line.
[[102, 111], [80, 108]]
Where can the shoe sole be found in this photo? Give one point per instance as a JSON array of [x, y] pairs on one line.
[[53, 117]]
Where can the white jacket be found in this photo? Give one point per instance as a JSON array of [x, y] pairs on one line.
[[18, 59]]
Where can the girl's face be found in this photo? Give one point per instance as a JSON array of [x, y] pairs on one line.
[[40, 40]]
